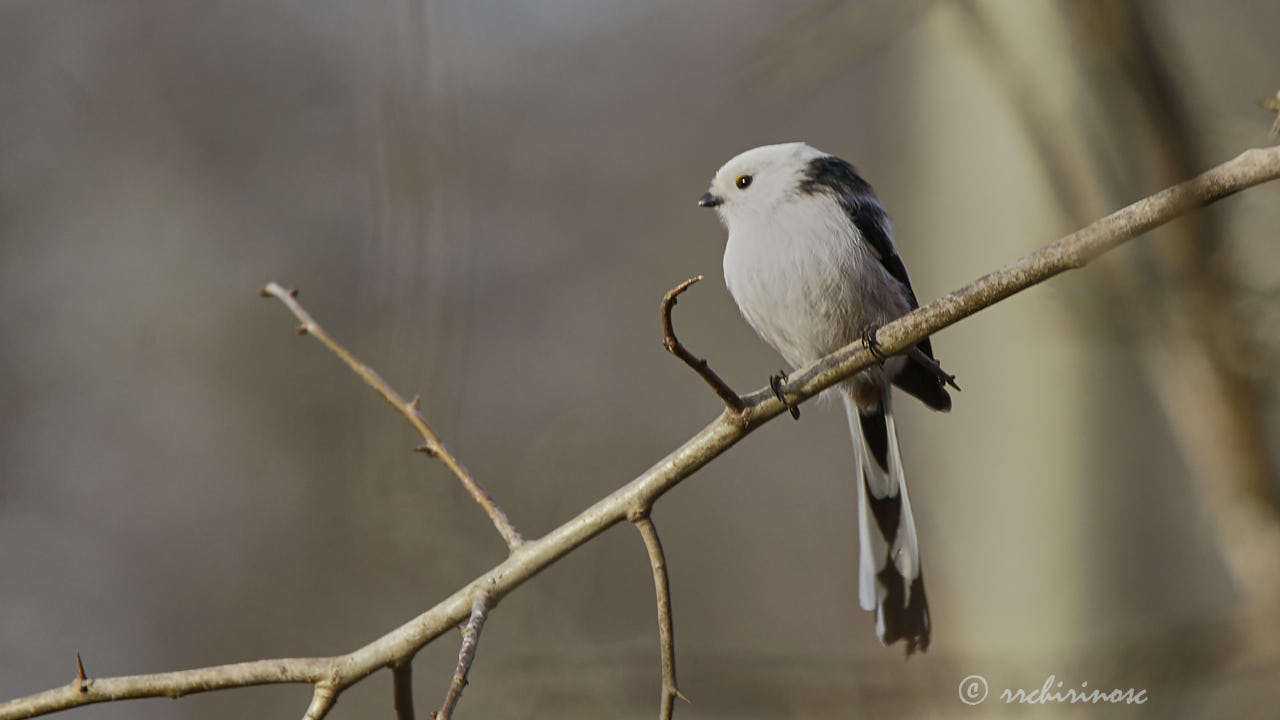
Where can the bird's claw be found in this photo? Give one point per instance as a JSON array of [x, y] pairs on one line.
[[872, 345], [933, 366], [775, 384]]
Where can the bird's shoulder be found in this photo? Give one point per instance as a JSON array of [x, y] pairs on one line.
[[832, 176]]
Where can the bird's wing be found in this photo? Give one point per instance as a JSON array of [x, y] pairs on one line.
[[859, 202]]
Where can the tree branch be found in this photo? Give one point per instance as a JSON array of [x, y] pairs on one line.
[[171, 684], [666, 628], [466, 655], [407, 409], [699, 365], [528, 558]]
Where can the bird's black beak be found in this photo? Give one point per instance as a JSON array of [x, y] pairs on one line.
[[708, 200]]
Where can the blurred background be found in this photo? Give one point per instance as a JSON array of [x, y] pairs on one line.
[[485, 201]]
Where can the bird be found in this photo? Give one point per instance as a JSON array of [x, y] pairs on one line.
[[811, 264]]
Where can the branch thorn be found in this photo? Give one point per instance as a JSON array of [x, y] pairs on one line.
[[82, 681]]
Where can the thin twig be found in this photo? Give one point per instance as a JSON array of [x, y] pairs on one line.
[[666, 627], [466, 655], [1249, 169], [699, 365], [408, 409], [402, 687]]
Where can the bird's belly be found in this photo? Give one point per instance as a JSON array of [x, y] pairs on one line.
[[808, 297], [801, 305]]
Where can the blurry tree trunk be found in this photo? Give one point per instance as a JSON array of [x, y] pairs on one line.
[[1181, 298], [1178, 298], [1053, 500]]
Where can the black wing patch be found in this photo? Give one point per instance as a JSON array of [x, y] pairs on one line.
[[858, 200]]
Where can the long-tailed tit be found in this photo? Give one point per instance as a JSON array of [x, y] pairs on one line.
[[812, 267]]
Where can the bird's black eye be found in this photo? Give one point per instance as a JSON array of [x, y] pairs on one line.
[[743, 182]]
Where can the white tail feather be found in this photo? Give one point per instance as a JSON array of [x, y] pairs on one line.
[[907, 556], [874, 549], [870, 544]]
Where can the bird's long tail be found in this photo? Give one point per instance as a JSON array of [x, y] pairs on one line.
[[889, 578]]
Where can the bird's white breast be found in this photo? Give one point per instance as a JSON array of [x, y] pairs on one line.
[[804, 279]]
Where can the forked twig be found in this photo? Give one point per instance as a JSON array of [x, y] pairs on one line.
[[408, 409], [699, 365], [666, 627], [332, 674]]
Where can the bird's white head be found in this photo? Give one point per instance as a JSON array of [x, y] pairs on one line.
[[757, 181]]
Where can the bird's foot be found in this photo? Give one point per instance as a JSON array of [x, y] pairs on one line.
[[871, 344], [775, 384], [933, 366]]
